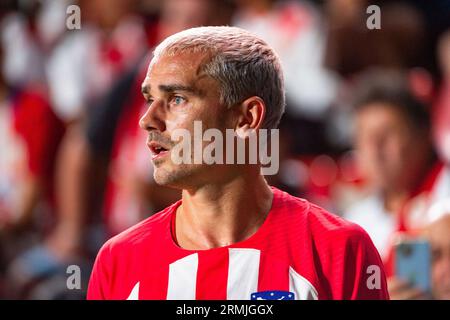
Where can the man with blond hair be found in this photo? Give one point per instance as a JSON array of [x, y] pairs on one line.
[[231, 236]]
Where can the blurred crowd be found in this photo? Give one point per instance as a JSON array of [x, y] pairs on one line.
[[366, 133]]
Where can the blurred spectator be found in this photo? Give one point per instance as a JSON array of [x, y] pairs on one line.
[[81, 69], [29, 138], [437, 232], [85, 62], [352, 47], [23, 58], [81, 66], [401, 43], [394, 152], [113, 140], [441, 122], [294, 29]]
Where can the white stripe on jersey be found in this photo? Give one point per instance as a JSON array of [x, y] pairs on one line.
[[183, 278], [243, 273], [302, 288], [134, 294]]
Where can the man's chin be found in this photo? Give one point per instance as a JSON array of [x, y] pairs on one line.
[[180, 176], [170, 178], [163, 180]]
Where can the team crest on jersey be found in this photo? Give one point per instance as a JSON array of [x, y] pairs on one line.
[[273, 295]]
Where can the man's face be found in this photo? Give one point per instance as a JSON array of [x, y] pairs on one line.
[[178, 94], [438, 235], [385, 145]]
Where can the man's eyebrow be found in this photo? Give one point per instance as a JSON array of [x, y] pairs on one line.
[[169, 88], [176, 87]]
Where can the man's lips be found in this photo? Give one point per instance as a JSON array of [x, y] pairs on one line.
[[158, 150]]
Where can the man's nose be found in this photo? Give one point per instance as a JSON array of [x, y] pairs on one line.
[[153, 118]]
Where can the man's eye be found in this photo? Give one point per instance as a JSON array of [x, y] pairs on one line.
[[149, 101], [178, 100]]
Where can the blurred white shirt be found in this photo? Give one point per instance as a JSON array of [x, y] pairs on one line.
[[370, 214]]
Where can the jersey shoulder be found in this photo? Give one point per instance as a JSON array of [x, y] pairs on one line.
[[318, 223], [144, 232]]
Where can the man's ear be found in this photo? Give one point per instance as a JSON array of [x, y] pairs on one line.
[[250, 115]]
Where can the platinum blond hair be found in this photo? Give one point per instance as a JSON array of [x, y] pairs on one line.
[[243, 64]]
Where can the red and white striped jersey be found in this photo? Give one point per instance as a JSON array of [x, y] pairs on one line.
[[300, 250]]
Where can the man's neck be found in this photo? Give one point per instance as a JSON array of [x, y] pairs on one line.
[[220, 215]]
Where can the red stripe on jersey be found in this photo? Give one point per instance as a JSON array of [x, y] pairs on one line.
[[273, 274], [212, 274]]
